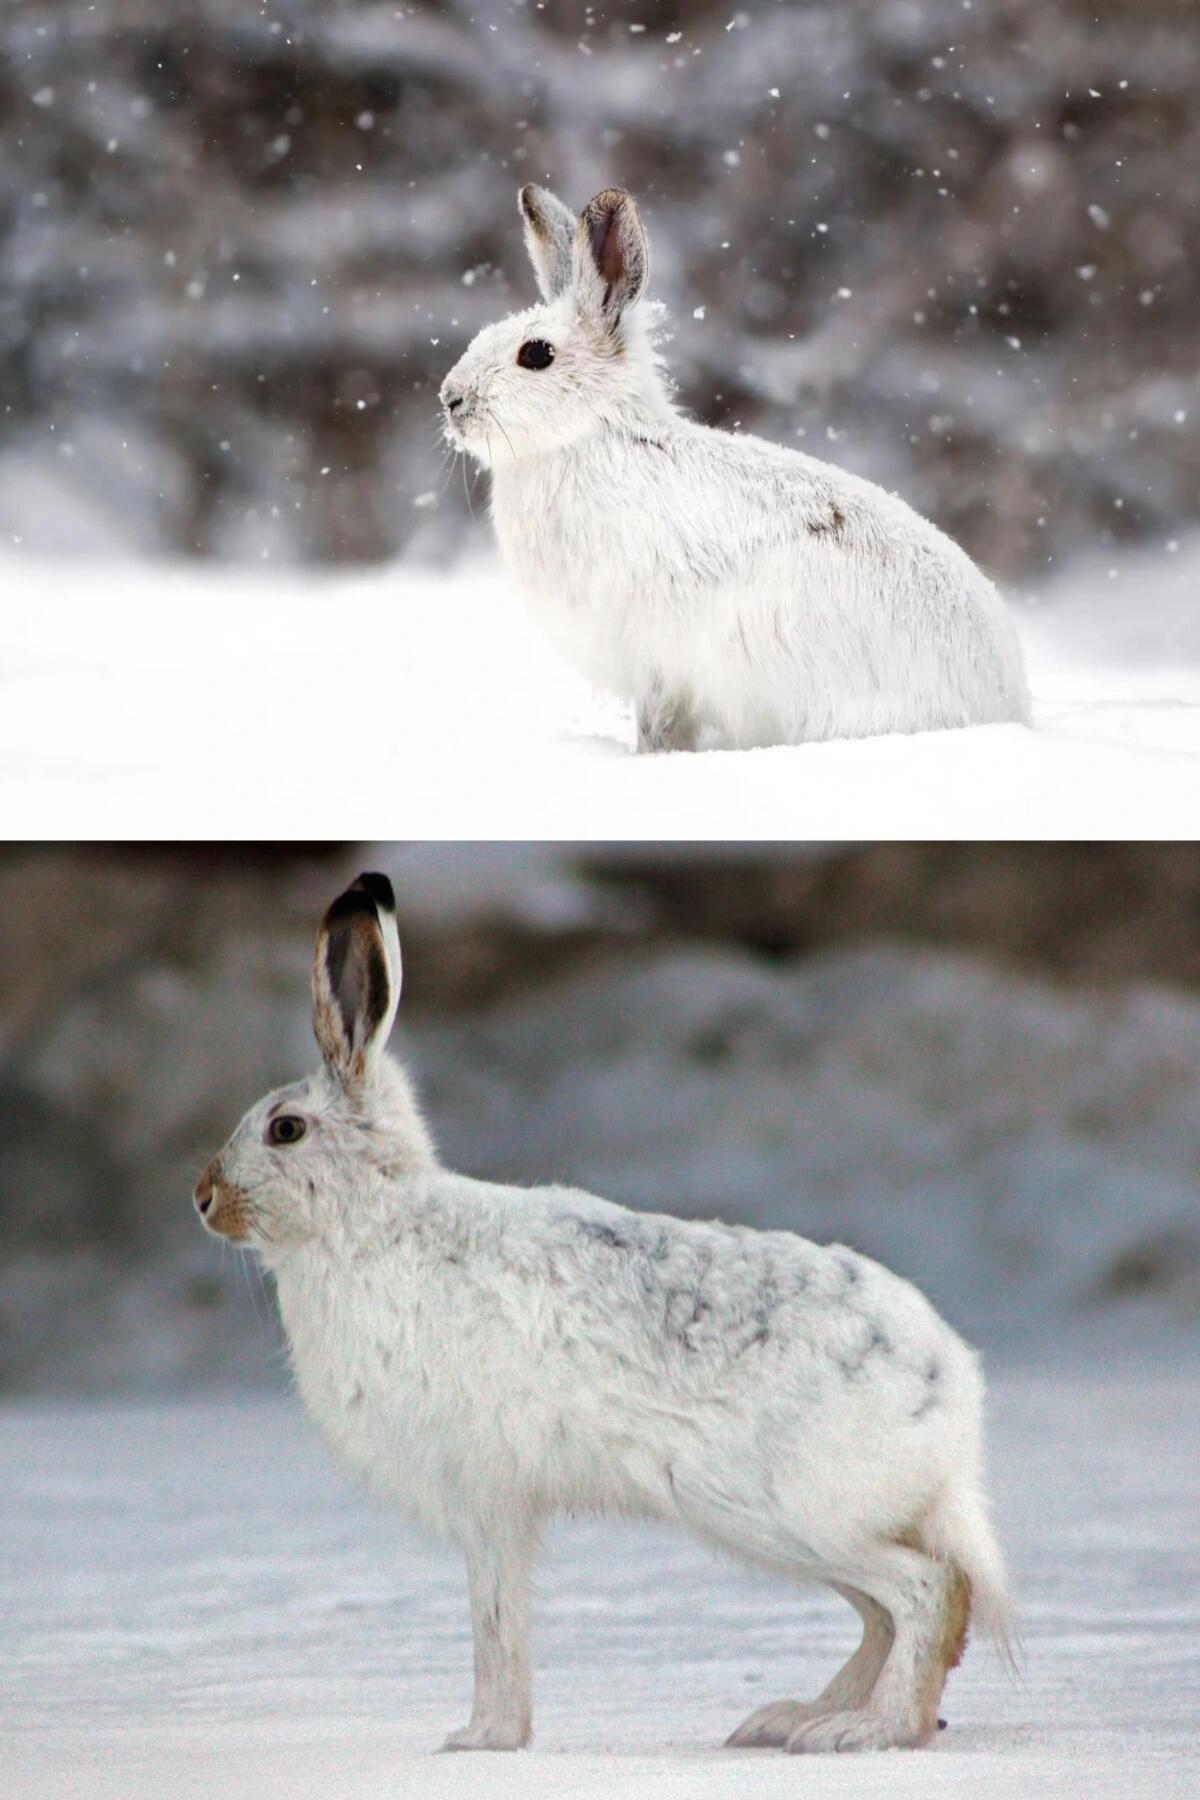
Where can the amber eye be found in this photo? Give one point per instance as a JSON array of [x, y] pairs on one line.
[[286, 1129], [536, 354]]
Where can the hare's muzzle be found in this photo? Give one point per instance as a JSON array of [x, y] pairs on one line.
[[457, 407], [222, 1207]]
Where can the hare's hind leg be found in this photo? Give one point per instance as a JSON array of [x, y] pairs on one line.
[[664, 722], [850, 1689], [928, 1603], [498, 1571]]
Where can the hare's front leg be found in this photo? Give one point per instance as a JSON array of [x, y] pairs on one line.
[[498, 1572]]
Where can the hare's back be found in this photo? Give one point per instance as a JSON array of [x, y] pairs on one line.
[[712, 1291]]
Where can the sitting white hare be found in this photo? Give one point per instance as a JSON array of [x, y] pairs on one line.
[[489, 1356], [737, 592]]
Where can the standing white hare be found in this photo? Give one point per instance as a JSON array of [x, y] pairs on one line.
[[737, 592], [489, 1356]]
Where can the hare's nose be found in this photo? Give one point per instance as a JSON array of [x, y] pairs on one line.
[[452, 402], [205, 1191]]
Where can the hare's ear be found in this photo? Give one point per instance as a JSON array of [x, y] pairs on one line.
[[610, 257], [549, 228], [356, 978]]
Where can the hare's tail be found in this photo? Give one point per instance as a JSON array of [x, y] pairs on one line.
[[957, 1531]]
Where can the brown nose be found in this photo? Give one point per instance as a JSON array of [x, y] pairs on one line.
[[206, 1188]]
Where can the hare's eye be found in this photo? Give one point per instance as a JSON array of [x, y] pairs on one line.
[[286, 1129], [536, 354]]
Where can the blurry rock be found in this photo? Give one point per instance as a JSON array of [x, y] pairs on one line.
[[85, 1322], [58, 1188], [1092, 912]]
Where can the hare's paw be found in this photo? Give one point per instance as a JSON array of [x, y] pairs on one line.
[[664, 723], [498, 1736], [772, 1726], [841, 1731]]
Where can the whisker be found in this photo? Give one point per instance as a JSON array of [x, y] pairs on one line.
[[248, 1277]]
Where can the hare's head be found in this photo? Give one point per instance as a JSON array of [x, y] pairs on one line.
[[309, 1159], [545, 378]]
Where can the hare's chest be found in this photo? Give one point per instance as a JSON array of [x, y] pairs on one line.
[[576, 550], [360, 1355]]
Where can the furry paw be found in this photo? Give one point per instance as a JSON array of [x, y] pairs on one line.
[[772, 1726], [499, 1736], [843, 1731]]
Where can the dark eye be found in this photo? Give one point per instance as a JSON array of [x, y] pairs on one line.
[[536, 354], [286, 1129]]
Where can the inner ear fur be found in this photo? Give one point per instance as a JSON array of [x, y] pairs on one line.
[[549, 232], [610, 256], [355, 986]]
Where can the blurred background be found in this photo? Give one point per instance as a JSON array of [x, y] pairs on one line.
[[980, 1063], [952, 244]]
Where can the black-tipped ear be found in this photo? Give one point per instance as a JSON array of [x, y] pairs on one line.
[[549, 229], [610, 256], [356, 977], [379, 888]]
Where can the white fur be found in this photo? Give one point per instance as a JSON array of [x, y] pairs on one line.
[[738, 592], [488, 1356]]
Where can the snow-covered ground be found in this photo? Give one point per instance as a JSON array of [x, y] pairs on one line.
[[199, 1604], [144, 701]]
